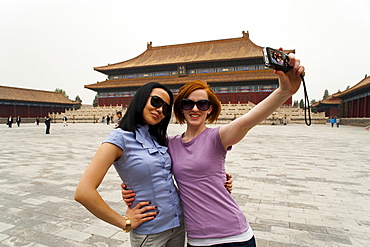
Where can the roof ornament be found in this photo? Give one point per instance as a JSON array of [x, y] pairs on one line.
[[149, 45], [245, 34]]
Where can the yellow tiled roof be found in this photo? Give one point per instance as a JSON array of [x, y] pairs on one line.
[[215, 50], [31, 95], [363, 83]]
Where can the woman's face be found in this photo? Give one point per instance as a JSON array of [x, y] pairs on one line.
[[153, 115], [196, 116]]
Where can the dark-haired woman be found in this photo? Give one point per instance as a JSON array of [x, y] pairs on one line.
[[137, 148]]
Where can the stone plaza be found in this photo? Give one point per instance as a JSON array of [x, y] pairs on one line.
[[297, 185]]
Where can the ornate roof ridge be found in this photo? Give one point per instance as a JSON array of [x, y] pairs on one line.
[[363, 83], [212, 50], [33, 95]]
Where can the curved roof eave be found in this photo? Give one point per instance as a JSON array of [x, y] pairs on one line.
[[216, 50]]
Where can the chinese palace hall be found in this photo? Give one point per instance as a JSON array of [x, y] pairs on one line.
[[234, 69]]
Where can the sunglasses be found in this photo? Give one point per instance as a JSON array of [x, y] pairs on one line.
[[188, 104], [158, 102]]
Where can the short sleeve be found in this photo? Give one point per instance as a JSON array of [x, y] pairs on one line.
[[116, 137]]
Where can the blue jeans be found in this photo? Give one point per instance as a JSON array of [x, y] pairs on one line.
[[249, 243]]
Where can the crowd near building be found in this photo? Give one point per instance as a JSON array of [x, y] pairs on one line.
[[30, 103]]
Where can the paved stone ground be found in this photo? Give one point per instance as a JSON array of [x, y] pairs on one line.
[[297, 185]]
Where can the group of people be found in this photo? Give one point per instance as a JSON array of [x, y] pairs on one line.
[[108, 119], [334, 121], [47, 121], [158, 212], [10, 121]]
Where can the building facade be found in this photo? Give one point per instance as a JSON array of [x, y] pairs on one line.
[[29, 103], [330, 105], [234, 69], [355, 101]]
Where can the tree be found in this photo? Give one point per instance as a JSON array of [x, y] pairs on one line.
[[301, 104], [326, 94], [95, 102], [313, 108], [59, 90], [78, 99], [295, 103]]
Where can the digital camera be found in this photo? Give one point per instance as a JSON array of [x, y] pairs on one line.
[[275, 59]]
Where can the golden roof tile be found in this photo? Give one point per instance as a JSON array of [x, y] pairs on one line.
[[216, 50], [363, 83], [31, 95]]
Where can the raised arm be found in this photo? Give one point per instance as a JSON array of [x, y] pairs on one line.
[[87, 194], [289, 84]]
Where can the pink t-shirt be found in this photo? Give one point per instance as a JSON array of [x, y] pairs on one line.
[[198, 166]]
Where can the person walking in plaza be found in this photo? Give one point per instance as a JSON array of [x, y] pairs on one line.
[[65, 119], [119, 118], [332, 121], [47, 123], [10, 121], [198, 157], [18, 120], [337, 122], [37, 120], [137, 148]]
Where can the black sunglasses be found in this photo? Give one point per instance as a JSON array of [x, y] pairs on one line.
[[158, 102], [188, 104]]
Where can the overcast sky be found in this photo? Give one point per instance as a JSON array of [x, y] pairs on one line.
[[49, 44]]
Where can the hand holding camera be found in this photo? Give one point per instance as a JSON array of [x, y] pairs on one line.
[[279, 61]]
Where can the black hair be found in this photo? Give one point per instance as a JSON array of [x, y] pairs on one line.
[[133, 117]]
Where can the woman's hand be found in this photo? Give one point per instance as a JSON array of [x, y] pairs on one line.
[[290, 81], [128, 196], [229, 182], [139, 214]]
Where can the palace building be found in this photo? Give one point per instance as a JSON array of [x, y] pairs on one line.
[[30, 103], [356, 100], [234, 69]]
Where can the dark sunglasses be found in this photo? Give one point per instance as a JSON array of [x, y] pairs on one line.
[[188, 104], [158, 102]]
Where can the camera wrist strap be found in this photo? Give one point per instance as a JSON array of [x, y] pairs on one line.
[[306, 104]]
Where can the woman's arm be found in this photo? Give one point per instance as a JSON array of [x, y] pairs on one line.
[[289, 84], [87, 194], [128, 196]]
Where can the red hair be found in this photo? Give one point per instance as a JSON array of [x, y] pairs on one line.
[[186, 90]]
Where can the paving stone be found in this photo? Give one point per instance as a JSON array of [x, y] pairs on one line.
[[297, 185]]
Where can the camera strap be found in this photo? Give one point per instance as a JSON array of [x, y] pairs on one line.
[[306, 104]]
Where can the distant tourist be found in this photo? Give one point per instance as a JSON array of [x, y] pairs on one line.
[[47, 123], [119, 118], [337, 121], [332, 121], [18, 121], [10, 121], [37, 121], [65, 119]]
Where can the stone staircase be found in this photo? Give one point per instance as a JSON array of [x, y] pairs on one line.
[[87, 114], [283, 115], [229, 112]]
